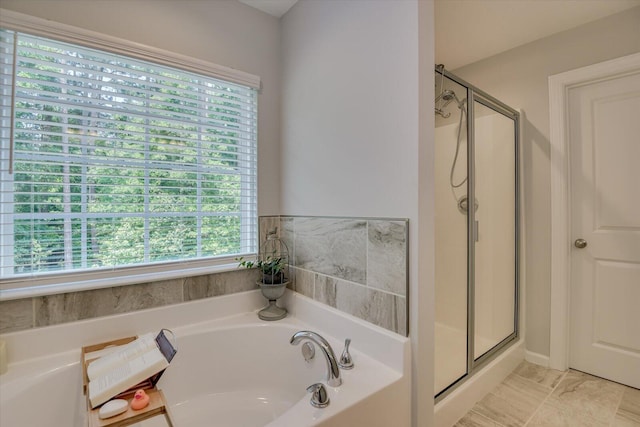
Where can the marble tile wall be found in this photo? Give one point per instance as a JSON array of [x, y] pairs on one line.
[[28, 313], [356, 265]]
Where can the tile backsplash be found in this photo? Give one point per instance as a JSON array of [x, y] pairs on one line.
[[356, 265], [48, 310]]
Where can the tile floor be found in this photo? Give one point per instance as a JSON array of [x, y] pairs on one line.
[[534, 396]]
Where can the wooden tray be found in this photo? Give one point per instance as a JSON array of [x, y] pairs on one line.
[[157, 406], [157, 403]]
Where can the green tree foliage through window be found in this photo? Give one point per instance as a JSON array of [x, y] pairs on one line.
[[120, 162]]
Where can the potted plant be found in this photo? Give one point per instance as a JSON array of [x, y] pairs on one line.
[[272, 285], [272, 269]]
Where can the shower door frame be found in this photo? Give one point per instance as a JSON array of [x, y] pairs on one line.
[[474, 364]]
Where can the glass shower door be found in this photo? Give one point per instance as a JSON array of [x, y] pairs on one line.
[[476, 223], [494, 150]]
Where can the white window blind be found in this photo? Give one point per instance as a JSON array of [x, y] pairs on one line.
[[109, 161]]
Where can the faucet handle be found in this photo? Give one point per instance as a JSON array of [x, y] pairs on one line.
[[345, 360], [319, 396]]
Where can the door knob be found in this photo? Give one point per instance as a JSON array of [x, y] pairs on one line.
[[580, 243]]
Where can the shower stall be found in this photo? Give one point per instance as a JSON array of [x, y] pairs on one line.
[[477, 229]]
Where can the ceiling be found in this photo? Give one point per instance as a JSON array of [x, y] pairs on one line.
[[276, 8], [470, 30]]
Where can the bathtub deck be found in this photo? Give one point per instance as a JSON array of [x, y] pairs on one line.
[[226, 363]]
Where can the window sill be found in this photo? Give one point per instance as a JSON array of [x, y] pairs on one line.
[[30, 288]]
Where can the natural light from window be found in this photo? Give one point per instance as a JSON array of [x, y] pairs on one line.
[[110, 161]]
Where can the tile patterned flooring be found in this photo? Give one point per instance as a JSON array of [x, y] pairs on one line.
[[534, 396]]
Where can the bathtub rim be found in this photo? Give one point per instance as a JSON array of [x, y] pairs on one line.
[[50, 345], [70, 337]]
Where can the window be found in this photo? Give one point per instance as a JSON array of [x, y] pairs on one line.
[[110, 161]]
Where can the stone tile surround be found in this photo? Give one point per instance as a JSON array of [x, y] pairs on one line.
[[16, 315], [356, 265]]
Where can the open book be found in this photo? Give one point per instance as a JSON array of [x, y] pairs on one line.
[[127, 366]]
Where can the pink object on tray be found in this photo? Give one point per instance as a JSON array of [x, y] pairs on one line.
[[140, 400]]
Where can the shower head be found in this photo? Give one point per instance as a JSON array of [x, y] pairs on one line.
[[447, 96]]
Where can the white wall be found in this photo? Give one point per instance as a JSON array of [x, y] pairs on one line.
[[228, 33], [349, 112], [519, 78], [357, 134]]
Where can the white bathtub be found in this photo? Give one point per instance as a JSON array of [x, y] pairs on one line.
[[232, 369]]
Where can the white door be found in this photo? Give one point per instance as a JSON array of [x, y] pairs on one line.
[[604, 147]]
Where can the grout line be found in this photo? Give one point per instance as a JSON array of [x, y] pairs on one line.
[[562, 377], [350, 282], [613, 419], [497, 423], [564, 374], [547, 397], [366, 254], [530, 381]]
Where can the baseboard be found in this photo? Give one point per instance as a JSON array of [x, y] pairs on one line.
[[537, 358], [449, 410]]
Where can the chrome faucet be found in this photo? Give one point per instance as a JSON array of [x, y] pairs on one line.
[[333, 371]]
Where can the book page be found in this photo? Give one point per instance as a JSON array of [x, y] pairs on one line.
[[125, 376], [102, 352], [124, 353]]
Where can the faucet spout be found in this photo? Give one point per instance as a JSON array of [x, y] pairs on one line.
[[333, 371]]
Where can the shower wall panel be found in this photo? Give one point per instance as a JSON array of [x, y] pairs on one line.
[[495, 216]]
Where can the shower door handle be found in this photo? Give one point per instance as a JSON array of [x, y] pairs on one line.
[[580, 243]]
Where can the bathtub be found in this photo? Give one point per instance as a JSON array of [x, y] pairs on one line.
[[231, 369]]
